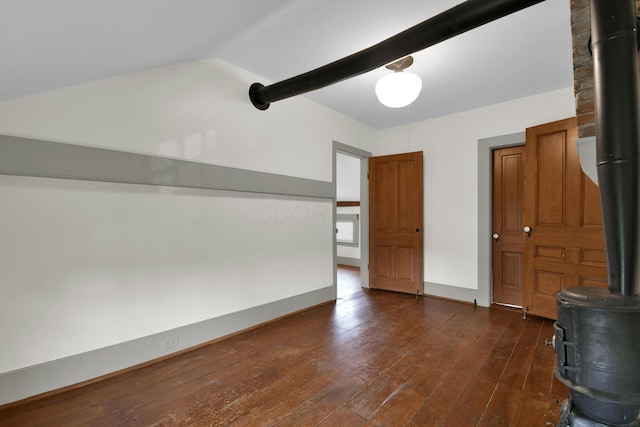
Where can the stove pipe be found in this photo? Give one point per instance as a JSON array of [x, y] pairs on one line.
[[597, 335], [450, 23], [615, 68]]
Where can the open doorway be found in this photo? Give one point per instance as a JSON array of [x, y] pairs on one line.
[[351, 219], [348, 214], [348, 210]]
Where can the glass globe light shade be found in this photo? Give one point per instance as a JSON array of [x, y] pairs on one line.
[[398, 89]]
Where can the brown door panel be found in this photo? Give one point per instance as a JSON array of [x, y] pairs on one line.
[[395, 222], [508, 189], [562, 206]]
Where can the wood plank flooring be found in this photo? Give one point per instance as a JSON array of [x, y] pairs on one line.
[[373, 358]]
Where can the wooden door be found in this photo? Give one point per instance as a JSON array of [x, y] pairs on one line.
[[508, 238], [565, 247], [395, 223]]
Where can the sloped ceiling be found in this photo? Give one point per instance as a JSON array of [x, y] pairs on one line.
[[48, 44]]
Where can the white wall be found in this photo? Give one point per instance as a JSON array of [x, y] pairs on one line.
[[85, 265], [348, 190], [95, 264], [347, 178], [450, 175]]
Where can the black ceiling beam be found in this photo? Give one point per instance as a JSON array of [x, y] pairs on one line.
[[450, 23]]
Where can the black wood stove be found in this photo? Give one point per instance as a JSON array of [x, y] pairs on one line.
[[597, 341], [597, 335]]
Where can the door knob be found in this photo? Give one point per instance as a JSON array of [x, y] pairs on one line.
[[527, 230], [495, 236]]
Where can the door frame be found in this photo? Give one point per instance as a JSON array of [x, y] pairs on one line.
[[485, 187], [363, 155]]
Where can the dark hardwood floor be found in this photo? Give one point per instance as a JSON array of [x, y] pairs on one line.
[[373, 358]]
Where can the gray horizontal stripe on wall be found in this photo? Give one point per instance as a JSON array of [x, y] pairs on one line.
[[32, 157]]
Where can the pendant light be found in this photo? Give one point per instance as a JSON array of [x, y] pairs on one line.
[[400, 88]]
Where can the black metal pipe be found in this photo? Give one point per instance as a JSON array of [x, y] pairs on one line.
[[617, 108], [463, 17]]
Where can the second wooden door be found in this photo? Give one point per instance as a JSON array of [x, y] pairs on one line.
[[395, 223], [508, 237], [564, 246]]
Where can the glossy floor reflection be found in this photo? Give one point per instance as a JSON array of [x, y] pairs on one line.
[[348, 283]]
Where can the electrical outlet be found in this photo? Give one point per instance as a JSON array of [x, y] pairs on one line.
[[170, 342]]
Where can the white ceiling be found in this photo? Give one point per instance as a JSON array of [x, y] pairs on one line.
[[48, 44]]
